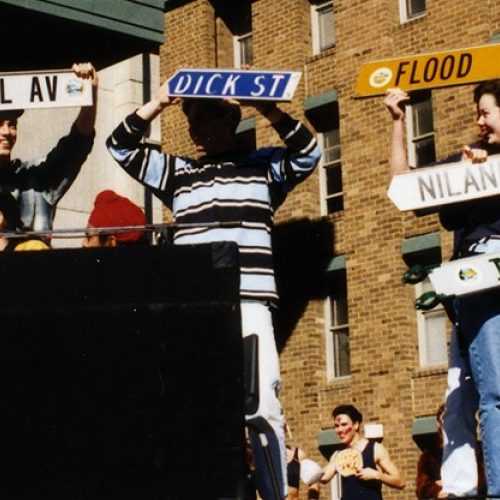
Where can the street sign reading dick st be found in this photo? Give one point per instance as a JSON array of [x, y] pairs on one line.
[[234, 84]]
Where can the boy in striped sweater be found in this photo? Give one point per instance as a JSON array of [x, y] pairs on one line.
[[229, 194]]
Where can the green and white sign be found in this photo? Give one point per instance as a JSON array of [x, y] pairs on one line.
[[467, 276]]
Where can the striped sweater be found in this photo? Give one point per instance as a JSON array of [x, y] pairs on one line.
[[231, 197]]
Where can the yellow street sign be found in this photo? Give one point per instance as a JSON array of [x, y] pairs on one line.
[[425, 71]]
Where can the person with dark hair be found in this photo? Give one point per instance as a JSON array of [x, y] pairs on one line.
[[111, 222], [295, 458], [363, 465], [229, 194], [11, 227], [474, 370], [39, 184], [474, 373]]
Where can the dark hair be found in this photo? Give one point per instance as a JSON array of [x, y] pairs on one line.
[[351, 411], [488, 87], [10, 210], [219, 107], [11, 114]]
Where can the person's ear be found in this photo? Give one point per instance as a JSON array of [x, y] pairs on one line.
[[2, 220], [111, 241]]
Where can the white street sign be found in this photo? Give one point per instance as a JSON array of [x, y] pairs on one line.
[[445, 184], [49, 89], [466, 276]]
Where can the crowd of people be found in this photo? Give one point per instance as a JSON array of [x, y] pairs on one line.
[[223, 183]]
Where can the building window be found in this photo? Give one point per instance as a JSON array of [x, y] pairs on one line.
[[410, 9], [233, 33], [243, 50], [420, 130], [331, 172], [432, 327], [337, 341], [325, 120], [323, 31]]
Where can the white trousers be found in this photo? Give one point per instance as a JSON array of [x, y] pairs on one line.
[[256, 319]]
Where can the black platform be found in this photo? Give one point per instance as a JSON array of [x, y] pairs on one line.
[[120, 373]]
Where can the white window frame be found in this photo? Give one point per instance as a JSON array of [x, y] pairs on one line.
[[406, 16], [237, 42], [423, 333], [316, 26], [323, 180], [336, 487], [412, 137], [331, 355]]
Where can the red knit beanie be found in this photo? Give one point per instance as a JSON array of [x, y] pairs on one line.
[[113, 210]]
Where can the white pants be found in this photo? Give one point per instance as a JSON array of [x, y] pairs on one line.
[[459, 465], [256, 319]]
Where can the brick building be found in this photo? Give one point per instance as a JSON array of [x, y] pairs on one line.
[[349, 331]]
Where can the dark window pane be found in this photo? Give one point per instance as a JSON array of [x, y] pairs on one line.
[[415, 7], [426, 151], [341, 352], [333, 179]]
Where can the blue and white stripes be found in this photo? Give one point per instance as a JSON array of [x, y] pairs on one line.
[[240, 190]]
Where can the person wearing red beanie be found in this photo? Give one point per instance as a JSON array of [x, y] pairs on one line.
[[113, 212]]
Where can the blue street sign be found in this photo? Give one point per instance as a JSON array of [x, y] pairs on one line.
[[234, 83]]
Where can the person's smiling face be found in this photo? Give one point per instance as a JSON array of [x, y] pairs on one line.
[[488, 111], [8, 136], [345, 428]]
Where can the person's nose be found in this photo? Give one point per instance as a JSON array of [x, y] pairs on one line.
[[480, 120], [4, 129]]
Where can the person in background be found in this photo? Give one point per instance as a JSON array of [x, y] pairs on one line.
[[474, 370], [11, 227], [113, 211], [428, 482], [294, 456], [377, 468], [225, 193], [39, 184]]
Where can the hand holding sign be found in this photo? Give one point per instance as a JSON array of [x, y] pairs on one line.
[[395, 100]]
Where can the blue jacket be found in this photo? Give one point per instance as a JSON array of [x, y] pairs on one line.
[[38, 185]]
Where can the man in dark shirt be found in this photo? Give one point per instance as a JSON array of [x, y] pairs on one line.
[[375, 464]]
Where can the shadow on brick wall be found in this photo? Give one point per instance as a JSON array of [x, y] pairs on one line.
[[302, 250]]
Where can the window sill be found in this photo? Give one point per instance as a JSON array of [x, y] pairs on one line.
[[321, 55], [405, 22], [338, 383], [427, 371]]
